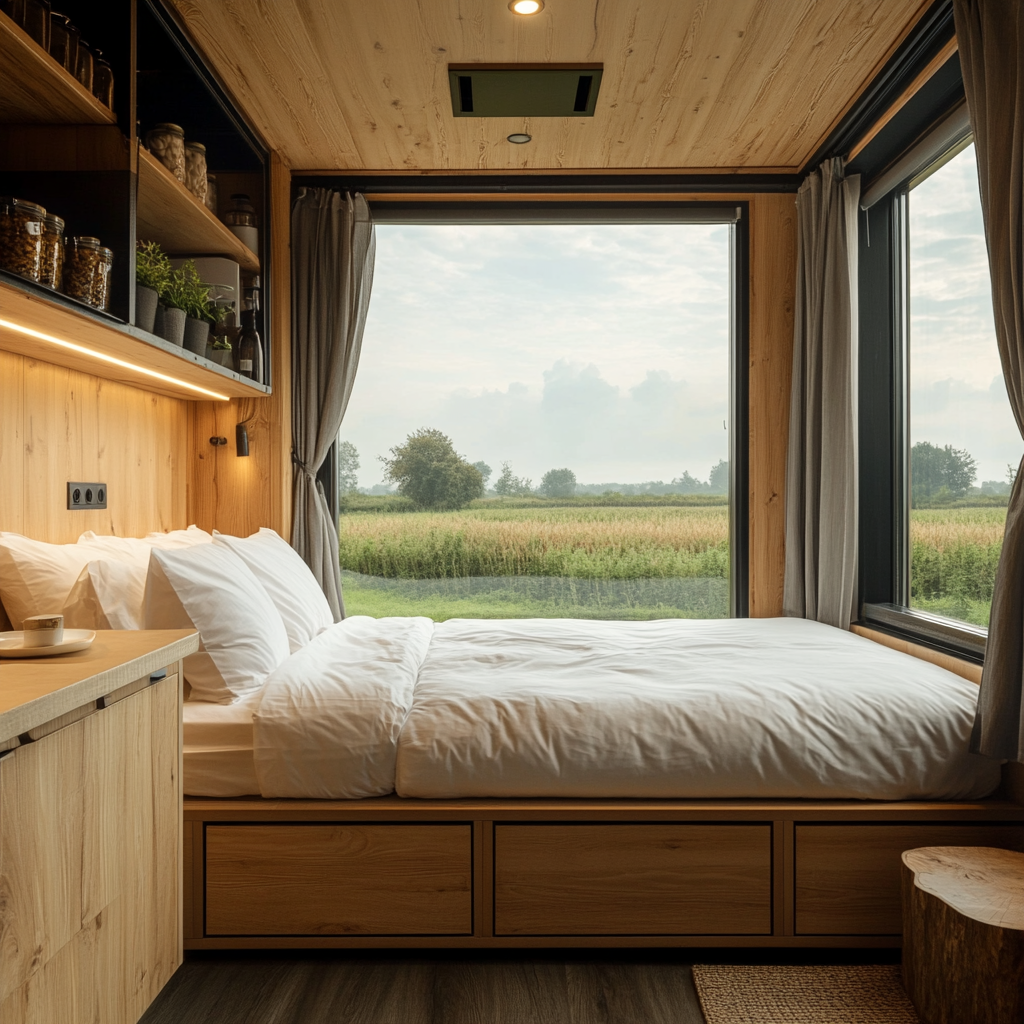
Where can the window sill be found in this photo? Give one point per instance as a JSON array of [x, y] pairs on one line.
[[935, 631]]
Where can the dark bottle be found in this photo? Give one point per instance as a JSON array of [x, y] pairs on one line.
[[250, 348]]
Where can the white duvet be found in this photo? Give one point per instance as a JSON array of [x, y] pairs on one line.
[[772, 708]]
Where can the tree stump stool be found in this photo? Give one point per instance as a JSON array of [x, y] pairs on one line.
[[963, 934]]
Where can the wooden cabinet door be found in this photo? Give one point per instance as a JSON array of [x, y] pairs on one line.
[[848, 876], [339, 879], [621, 879], [90, 865]]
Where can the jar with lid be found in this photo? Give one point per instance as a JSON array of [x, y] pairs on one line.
[[195, 169], [241, 219], [51, 267], [102, 80], [34, 17], [84, 65], [21, 237], [87, 267], [63, 41], [167, 143], [211, 193]]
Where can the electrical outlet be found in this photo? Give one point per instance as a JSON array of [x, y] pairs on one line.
[[86, 496]]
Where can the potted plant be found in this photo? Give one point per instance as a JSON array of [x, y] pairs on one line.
[[219, 348], [152, 274], [195, 300], [174, 298]]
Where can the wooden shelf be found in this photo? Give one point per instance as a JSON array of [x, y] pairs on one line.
[[169, 214], [37, 90], [28, 308]]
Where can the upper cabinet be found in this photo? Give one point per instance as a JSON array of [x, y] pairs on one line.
[[83, 152]]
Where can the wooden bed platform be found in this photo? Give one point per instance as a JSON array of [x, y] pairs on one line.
[[394, 872]]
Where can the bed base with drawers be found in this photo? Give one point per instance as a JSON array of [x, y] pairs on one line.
[[396, 872]]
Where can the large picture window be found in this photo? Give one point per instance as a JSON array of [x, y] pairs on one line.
[[541, 422], [963, 443]]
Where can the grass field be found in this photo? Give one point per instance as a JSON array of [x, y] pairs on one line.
[[613, 562]]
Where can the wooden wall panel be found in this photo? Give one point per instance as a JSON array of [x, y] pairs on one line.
[[58, 425], [239, 495], [772, 299]]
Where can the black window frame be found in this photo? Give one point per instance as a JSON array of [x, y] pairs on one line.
[[884, 434], [409, 209]]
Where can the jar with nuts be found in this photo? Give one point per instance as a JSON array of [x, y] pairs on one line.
[[21, 237], [51, 270], [195, 169], [167, 143], [87, 269]]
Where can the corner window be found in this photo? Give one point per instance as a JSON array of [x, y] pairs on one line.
[[963, 445]]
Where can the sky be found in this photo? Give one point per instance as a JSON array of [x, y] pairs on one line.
[[603, 349], [957, 393]]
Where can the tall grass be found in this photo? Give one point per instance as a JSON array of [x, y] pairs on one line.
[[585, 543], [953, 558]]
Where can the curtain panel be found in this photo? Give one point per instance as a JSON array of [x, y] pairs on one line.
[[332, 272], [821, 466], [990, 34]]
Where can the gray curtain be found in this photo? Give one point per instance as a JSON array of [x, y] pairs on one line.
[[332, 272], [990, 34], [821, 468]]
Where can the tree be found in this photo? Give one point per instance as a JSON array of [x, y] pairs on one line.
[[940, 473], [687, 484], [558, 483], [510, 486], [348, 464], [484, 470], [428, 470], [718, 478]]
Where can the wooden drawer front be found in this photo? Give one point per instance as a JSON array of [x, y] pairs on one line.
[[632, 879], [339, 880], [848, 876]]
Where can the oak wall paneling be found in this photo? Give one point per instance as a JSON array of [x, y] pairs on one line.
[[58, 425]]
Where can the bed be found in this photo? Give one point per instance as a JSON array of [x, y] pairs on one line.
[[553, 783]]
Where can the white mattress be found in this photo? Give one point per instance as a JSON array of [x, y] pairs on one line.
[[755, 708], [218, 748]]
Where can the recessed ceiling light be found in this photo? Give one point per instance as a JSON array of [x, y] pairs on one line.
[[526, 6], [519, 138]]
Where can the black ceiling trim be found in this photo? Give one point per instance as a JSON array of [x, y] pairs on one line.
[[928, 37], [575, 184]]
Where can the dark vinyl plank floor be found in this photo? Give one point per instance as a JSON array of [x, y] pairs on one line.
[[374, 987]]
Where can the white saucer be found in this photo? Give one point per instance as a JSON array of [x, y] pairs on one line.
[[12, 644]]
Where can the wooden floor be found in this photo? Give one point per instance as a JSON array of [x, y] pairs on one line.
[[620, 987]]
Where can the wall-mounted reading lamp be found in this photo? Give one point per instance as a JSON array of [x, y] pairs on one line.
[[241, 439]]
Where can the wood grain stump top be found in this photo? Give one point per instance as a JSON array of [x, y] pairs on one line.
[[963, 934]]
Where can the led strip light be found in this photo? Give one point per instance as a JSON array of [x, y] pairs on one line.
[[113, 360]]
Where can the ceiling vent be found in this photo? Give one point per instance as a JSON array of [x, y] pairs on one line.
[[524, 90]]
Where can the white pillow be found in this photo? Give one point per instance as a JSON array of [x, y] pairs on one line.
[[108, 594], [135, 547], [36, 577], [287, 579], [242, 636]]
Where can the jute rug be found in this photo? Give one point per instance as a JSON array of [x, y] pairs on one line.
[[803, 995]]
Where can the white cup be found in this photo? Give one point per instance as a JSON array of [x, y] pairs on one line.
[[42, 631]]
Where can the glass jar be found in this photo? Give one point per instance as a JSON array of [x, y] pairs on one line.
[[103, 81], [87, 269], [21, 237], [241, 219], [63, 41], [84, 65], [195, 169], [34, 17], [211, 193], [51, 266], [167, 143]]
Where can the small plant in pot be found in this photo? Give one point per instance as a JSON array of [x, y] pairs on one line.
[[174, 298], [152, 274], [194, 299]]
